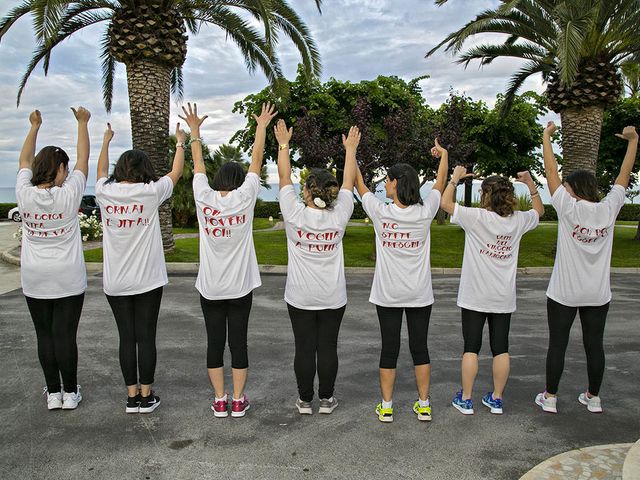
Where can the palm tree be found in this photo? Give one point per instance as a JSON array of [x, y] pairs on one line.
[[228, 153], [631, 75], [150, 38], [577, 45]]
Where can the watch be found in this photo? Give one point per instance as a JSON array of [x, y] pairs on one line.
[[283, 146]]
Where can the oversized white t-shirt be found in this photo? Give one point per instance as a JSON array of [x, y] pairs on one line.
[[228, 263], [51, 259], [315, 272], [131, 238], [402, 276], [585, 239], [490, 262]]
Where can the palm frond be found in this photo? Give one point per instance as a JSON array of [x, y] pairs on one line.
[[177, 84], [108, 72], [516, 81], [14, 15]]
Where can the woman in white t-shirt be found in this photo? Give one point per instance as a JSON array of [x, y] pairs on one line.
[[402, 279], [316, 292], [228, 271], [580, 278], [488, 280], [48, 200], [134, 271]]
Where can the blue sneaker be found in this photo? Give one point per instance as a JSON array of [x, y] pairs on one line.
[[494, 404], [463, 406]]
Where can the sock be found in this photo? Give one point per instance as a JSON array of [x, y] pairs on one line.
[[223, 399], [387, 404], [238, 399], [423, 403]]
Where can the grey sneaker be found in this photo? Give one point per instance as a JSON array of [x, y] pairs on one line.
[[304, 408], [328, 405], [593, 403], [70, 400]]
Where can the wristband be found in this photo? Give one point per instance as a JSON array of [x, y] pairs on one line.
[[283, 146], [196, 139], [534, 194], [454, 183], [180, 144]]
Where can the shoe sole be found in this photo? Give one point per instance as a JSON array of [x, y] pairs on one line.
[[132, 410], [71, 407], [240, 414], [591, 409], [149, 409], [219, 414], [495, 411], [384, 419], [304, 410], [462, 410], [327, 410], [423, 418], [546, 409], [54, 408]]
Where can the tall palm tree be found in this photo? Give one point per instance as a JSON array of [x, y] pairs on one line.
[[577, 45], [631, 75], [150, 38]]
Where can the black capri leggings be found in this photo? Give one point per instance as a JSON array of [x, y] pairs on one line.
[[56, 322], [473, 324], [390, 319], [218, 314], [137, 319], [560, 319]]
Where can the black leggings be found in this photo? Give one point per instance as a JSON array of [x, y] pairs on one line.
[[217, 315], [390, 319], [316, 334], [56, 322], [560, 318], [473, 324], [137, 318]]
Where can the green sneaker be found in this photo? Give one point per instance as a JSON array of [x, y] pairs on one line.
[[424, 413], [384, 414]]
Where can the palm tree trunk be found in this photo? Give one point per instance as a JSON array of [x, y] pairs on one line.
[[149, 90], [580, 138]]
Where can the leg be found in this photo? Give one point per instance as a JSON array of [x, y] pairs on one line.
[[42, 315], [593, 320], [499, 324], [215, 320], [122, 308], [146, 310], [560, 318], [66, 316], [238, 318], [472, 325], [418, 328], [328, 327], [304, 327], [390, 320]]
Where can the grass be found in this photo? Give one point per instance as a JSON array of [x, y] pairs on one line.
[[258, 224], [537, 248]]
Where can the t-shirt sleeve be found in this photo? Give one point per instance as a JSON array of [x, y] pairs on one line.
[[163, 188], [250, 188], [529, 220], [200, 185], [289, 202], [562, 201], [371, 204], [432, 202], [344, 205], [615, 200], [75, 185], [99, 189], [466, 217], [23, 180]]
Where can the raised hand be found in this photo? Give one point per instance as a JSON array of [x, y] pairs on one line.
[[525, 177], [82, 114], [35, 118], [267, 114], [352, 141], [628, 133], [181, 135], [460, 173], [551, 129], [438, 150], [191, 117], [108, 134], [283, 135]]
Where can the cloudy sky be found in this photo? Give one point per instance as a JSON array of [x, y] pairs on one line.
[[358, 40]]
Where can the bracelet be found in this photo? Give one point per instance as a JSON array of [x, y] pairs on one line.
[[196, 139], [455, 184], [536, 193], [283, 146], [180, 144]]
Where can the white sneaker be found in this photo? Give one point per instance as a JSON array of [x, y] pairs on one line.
[[54, 400], [71, 400], [304, 408], [548, 404], [593, 403]]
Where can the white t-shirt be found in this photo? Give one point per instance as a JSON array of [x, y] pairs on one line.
[[490, 262], [51, 260], [131, 238], [585, 239], [228, 263], [315, 272], [403, 266]]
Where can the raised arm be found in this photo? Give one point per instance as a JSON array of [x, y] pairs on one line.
[[194, 122], [350, 144], [257, 153], [284, 162], [178, 160], [536, 201], [360, 185], [550, 162], [82, 161], [631, 136], [443, 168], [103, 159], [447, 202], [28, 152]]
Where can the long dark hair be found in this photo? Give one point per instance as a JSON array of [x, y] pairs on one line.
[[498, 195], [323, 185], [584, 184], [46, 164], [408, 186], [229, 177], [133, 166]]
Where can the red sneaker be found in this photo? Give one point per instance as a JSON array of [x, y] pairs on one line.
[[239, 407], [220, 408]]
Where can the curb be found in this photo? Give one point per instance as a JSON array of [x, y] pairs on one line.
[[631, 467]]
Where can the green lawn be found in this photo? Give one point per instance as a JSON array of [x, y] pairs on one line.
[[537, 248], [258, 224]]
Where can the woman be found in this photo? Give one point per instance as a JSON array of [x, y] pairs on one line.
[[488, 280], [134, 269], [48, 200], [315, 291], [580, 277], [402, 278], [225, 217]]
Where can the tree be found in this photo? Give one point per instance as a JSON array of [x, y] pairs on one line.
[[577, 45], [228, 153], [631, 76], [149, 37]]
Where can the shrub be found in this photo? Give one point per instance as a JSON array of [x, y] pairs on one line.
[[5, 207]]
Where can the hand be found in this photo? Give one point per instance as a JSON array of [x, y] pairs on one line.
[[191, 117], [352, 141], [108, 134], [438, 150], [460, 173], [282, 134], [181, 135], [35, 118], [629, 133], [82, 114], [267, 114], [551, 129], [525, 177]]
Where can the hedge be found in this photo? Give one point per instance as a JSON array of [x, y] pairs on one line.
[[5, 207]]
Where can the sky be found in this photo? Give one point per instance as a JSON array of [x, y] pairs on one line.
[[358, 40]]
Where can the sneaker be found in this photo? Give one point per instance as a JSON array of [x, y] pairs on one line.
[[220, 408], [240, 407], [133, 404], [328, 405], [304, 408], [384, 414], [424, 413], [463, 406], [548, 404], [493, 404], [149, 404], [54, 400], [70, 400], [593, 403]]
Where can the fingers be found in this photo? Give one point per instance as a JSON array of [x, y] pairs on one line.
[[438, 146], [203, 119], [183, 118], [75, 112]]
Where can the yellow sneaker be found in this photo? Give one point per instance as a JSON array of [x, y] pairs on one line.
[[384, 414], [424, 413]]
